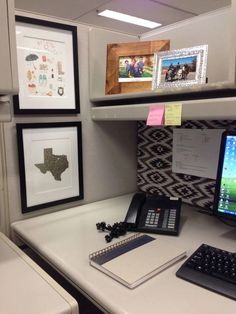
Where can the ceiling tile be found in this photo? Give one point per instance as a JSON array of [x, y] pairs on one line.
[[197, 7], [69, 9], [145, 9], [161, 11]]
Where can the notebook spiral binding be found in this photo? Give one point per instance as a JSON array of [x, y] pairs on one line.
[[93, 256]]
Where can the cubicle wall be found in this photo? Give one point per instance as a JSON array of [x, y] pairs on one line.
[[109, 151], [109, 148], [4, 215], [154, 171], [213, 29]]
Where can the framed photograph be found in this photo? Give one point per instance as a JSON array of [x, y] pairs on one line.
[[50, 164], [135, 68], [130, 65], [178, 68], [47, 57]]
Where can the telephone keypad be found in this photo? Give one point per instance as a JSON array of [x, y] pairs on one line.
[[167, 220], [152, 217], [154, 214]]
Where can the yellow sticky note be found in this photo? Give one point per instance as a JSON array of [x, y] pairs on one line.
[[173, 114]]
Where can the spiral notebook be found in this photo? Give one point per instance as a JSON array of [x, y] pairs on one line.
[[137, 258]]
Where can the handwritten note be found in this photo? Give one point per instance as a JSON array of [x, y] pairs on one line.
[[156, 115], [173, 113], [195, 151]]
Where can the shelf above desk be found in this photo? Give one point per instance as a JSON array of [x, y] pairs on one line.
[[198, 109], [205, 91]]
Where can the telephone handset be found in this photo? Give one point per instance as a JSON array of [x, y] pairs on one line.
[[154, 214]]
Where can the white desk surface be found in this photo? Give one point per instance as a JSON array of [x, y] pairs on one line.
[[26, 289], [66, 238]]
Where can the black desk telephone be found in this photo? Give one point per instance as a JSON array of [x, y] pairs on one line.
[[147, 213], [154, 214]]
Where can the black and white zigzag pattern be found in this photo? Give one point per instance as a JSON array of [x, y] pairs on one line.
[[154, 173]]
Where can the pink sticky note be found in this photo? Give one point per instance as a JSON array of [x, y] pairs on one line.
[[156, 115]]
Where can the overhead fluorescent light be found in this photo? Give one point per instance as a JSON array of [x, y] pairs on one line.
[[128, 19]]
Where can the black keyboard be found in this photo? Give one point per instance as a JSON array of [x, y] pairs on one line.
[[211, 268]]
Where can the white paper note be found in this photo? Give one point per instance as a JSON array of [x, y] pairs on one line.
[[195, 151]]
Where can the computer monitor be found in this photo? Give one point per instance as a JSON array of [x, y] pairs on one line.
[[225, 189]]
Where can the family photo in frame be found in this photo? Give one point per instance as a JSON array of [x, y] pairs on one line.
[[136, 68], [181, 67], [129, 66]]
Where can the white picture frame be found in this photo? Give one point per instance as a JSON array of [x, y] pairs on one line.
[[180, 68]]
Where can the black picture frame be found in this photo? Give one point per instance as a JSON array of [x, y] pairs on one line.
[[65, 106], [50, 164]]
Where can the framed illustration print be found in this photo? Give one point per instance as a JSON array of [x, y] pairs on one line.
[[130, 65], [50, 164], [179, 68], [47, 57]]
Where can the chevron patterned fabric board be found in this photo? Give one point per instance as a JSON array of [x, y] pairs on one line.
[[154, 172]]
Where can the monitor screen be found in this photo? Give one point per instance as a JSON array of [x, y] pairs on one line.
[[225, 190]]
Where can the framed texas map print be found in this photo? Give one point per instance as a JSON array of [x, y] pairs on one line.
[[47, 57], [50, 164]]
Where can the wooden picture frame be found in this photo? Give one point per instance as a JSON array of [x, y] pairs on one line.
[[129, 50], [50, 164], [47, 57]]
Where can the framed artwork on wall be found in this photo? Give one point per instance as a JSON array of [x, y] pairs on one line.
[[130, 65], [47, 57], [180, 68], [50, 164]]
